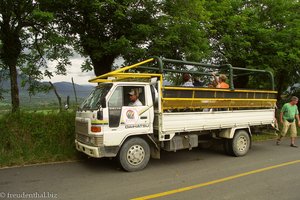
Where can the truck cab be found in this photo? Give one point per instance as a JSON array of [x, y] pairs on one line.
[[106, 118]]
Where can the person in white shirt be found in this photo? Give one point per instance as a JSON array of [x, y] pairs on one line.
[[134, 98], [187, 81]]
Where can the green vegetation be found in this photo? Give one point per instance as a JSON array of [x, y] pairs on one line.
[[30, 137], [260, 34], [28, 39], [268, 134], [264, 136], [105, 30]]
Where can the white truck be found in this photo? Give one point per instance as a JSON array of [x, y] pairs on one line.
[[168, 118]]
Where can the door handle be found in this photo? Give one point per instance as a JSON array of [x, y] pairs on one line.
[[143, 117]]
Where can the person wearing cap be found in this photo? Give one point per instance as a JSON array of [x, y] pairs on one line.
[[288, 115], [134, 98], [221, 81]]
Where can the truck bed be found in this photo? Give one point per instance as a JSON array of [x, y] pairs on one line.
[[197, 121]]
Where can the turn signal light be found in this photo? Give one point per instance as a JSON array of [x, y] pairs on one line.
[[96, 128]]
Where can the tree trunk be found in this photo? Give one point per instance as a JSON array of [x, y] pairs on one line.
[[57, 95], [15, 100], [280, 84], [11, 51], [102, 65]]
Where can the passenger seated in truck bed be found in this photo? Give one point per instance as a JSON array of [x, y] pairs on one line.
[[187, 81], [220, 81]]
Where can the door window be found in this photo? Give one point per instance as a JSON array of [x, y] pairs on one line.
[[115, 107]]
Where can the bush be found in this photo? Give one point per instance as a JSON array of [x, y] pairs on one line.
[[29, 137]]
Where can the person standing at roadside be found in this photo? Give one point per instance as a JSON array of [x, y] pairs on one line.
[[288, 114]]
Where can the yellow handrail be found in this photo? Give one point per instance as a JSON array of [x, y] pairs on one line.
[[120, 70]]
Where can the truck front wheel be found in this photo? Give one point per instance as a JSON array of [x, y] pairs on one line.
[[134, 154]]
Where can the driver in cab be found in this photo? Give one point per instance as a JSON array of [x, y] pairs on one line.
[[134, 98]]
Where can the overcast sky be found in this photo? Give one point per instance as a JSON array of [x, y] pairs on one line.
[[74, 70]]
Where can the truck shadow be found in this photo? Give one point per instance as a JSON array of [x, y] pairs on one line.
[[100, 164], [205, 152]]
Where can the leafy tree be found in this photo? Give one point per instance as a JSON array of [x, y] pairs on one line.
[[262, 34], [180, 31], [27, 40], [103, 30]]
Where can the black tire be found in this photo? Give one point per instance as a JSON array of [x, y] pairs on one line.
[[227, 144], [241, 143], [134, 154]]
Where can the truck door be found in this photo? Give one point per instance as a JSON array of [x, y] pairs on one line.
[[127, 117]]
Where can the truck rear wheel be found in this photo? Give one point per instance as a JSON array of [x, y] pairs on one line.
[[241, 143], [134, 154]]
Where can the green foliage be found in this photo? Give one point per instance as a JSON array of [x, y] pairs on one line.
[[28, 38], [36, 137], [180, 31], [105, 30], [262, 34]]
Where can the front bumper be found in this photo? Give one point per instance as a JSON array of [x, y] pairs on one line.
[[97, 152], [91, 151]]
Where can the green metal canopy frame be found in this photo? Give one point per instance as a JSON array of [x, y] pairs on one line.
[[162, 61]]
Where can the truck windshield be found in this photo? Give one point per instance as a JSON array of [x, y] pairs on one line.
[[93, 101]]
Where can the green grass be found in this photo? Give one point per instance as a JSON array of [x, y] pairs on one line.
[[264, 136], [268, 134], [34, 137]]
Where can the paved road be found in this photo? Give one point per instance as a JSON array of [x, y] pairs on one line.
[[103, 179]]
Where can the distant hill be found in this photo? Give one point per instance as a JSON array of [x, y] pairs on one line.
[[64, 89]]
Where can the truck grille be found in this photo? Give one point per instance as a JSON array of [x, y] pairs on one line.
[[81, 127]]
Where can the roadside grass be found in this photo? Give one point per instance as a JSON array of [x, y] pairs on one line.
[[264, 136], [35, 137], [268, 134]]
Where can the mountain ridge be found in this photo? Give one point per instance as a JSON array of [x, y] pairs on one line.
[[63, 88]]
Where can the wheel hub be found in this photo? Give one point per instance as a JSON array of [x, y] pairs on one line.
[[242, 143], [135, 155]]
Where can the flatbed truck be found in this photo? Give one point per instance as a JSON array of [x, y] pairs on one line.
[[170, 118]]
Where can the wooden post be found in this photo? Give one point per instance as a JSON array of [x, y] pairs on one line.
[[57, 95], [74, 90]]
